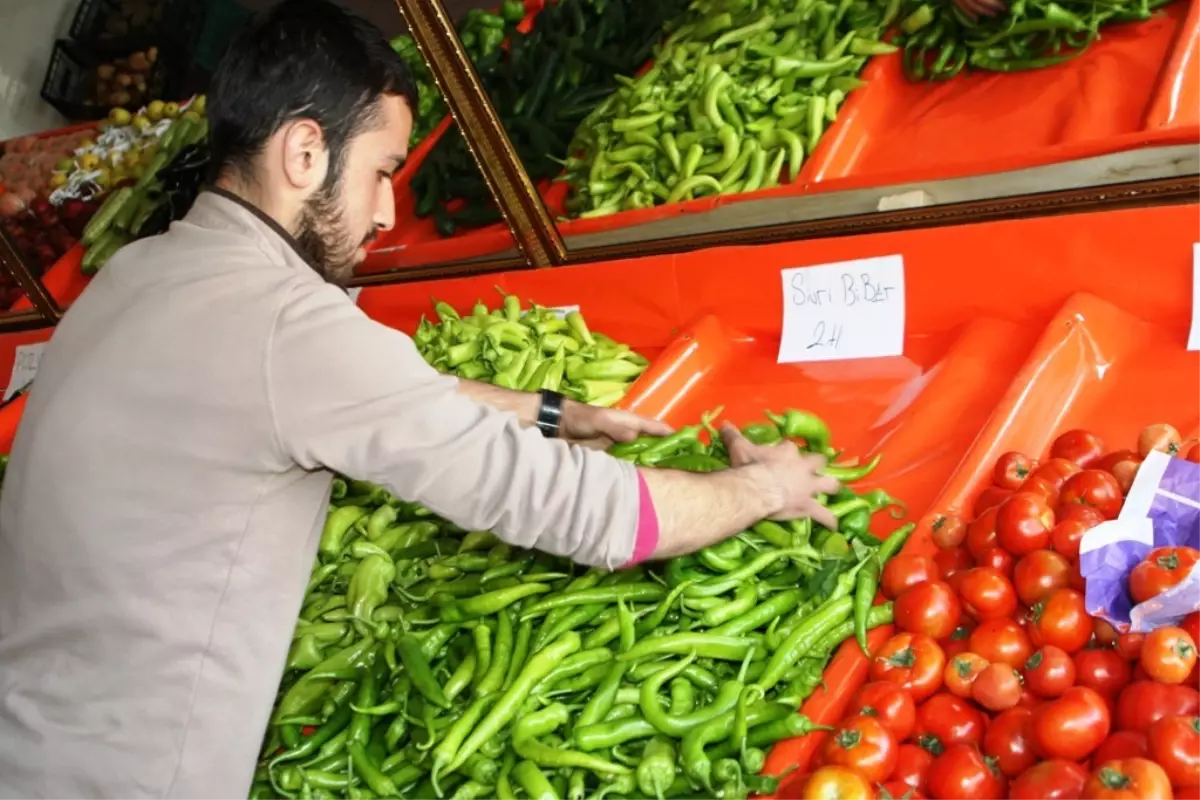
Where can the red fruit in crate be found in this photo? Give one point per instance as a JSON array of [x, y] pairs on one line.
[[999, 559], [1061, 620], [1163, 568], [1174, 744], [1093, 488], [963, 773], [1023, 523], [981, 533], [1161, 437], [930, 608], [946, 719], [1009, 740], [1073, 725], [1082, 447], [1011, 470], [1039, 573], [890, 704], [1056, 779], [1102, 670], [1049, 672], [905, 570], [1070, 529], [72, 208], [949, 530], [1056, 471], [988, 498], [1168, 654], [1002, 640], [986, 594], [1122, 744], [41, 206], [1142, 703]]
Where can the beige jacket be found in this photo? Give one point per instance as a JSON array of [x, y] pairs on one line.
[[168, 485]]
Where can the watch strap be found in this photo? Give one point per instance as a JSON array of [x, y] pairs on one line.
[[549, 418]]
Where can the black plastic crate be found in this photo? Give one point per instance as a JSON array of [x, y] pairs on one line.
[[79, 85], [178, 20]]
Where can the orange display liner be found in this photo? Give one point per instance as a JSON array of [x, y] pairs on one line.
[[1015, 331], [1138, 86]]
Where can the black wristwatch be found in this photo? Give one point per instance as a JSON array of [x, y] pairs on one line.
[[549, 418]]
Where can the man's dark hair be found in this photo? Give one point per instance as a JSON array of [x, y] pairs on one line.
[[303, 59]]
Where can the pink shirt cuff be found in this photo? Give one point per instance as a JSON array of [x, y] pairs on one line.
[[647, 527]]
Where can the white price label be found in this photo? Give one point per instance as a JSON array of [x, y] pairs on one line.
[[353, 293], [562, 311], [1194, 336], [852, 309], [25, 367]]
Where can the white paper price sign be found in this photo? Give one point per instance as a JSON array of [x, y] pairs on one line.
[[25, 367], [852, 309]]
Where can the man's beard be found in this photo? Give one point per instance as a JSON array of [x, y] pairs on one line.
[[323, 238]]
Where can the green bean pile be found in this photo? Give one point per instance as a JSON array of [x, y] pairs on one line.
[[737, 91], [429, 661], [529, 349], [942, 41]]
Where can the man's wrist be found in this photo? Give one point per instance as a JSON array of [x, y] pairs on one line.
[[761, 484]]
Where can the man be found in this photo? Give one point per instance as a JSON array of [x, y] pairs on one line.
[[170, 477]]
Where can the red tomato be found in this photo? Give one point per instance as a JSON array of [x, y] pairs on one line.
[[1191, 624], [1122, 744], [1103, 633], [1039, 573], [1142, 703], [952, 560], [1071, 726], [1061, 620], [1023, 523], [945, 719], [1001, 640], [1049, 672], [962, 773], [890, 704], [957, 642], [1174, 744], [1056, 779], [930, 608], [981, 533], [1056, 471], [1129, 645], [1079, 446], [949, 530], [864, 745], [997, 688], [905, 570], [987, 594], [1161, 437], [1128, 779], [961, 671], [836, 783], [1011, 470], [1070, 530], [1168, 654], [1093, 488], [1162, 568], [912, 766], [1042, 487], [990, 497], [1102, 670], [897, 790], [1009, 740], [1028, 699], [911, 660], [1110, 460], [1126, 472], [998, 559]]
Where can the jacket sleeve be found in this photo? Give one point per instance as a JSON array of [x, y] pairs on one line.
[[354, 396]]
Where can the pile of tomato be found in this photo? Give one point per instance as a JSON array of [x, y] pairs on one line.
[[998, 683]]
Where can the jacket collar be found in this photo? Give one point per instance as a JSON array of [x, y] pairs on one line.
[[220, 209]]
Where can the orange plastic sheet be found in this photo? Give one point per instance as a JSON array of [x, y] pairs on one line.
[[1138, 86], [1015, 331]]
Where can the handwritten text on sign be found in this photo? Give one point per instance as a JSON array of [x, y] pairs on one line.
[[853, 309], [25, 367]]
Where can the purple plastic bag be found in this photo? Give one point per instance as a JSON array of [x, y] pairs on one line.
[[1162, 509]]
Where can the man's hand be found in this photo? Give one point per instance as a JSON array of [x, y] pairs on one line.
[[980, 8], [796, 478], [600, 428]]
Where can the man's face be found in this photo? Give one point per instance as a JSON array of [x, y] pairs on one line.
[[343, 216]]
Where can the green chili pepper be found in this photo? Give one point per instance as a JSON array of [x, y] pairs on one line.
[[656, 770], [864, 596], [831, 614], [530, 727], [416, 666]]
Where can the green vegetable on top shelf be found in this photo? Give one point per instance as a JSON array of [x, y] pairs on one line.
[[529, 349], [541, 87], [737, 92], [940, 41], [433, 662], [482, 33]]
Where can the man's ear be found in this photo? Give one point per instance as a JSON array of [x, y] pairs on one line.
[[305, 157]]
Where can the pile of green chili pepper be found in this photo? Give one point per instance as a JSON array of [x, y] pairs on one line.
[[736, 92], [940, 41], [529, 349], [482, 33], [541, 86], [429, 661]]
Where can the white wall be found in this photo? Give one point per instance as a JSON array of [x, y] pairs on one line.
[[28, 29]]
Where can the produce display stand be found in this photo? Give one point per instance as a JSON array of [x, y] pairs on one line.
[[1136, 87]]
